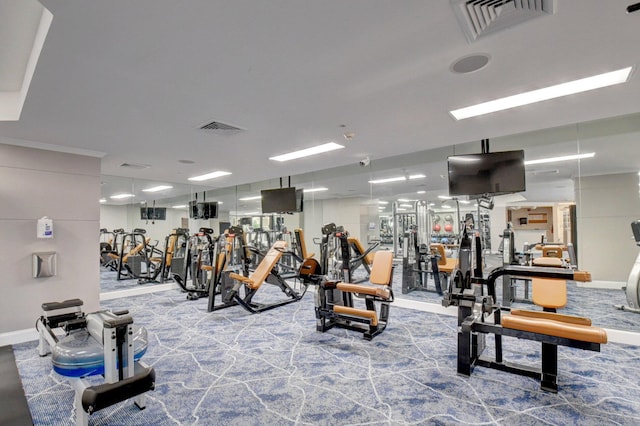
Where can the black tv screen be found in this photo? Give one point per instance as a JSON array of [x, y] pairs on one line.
[[153, 213], [281, 200], [492, 173], [203, 210], [299, 200]]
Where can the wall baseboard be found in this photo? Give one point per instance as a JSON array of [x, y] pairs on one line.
[[138, 290], [607, 285], [19, 336]]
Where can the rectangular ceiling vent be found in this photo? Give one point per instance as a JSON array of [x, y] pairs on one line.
[[135, 166], [481, 17], [220, 128]]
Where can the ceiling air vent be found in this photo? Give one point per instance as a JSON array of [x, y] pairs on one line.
[[135, 166], [480, 17], [220, 128]]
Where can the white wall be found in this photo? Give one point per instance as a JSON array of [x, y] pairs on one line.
[[606, 207], [344, 212], [66, 188]]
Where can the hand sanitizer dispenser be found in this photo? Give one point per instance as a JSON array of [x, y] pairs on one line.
[[45, 228]]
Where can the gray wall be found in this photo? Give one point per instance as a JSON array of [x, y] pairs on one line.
[[66, 188], [606, 207]]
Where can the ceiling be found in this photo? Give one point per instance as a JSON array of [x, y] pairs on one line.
[[133, 82]]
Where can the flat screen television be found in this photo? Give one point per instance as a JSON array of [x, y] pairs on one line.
[[203, 210], [153, 213], [282, 200], [299, 200], [492, 173]]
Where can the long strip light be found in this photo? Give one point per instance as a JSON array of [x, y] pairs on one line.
[[103, 200], [546, 93], [397, 179], [257, 197], [319, 149], [209, 176], [321, 188], [157, 188], [562, 158], [181, 206], [121, 196]]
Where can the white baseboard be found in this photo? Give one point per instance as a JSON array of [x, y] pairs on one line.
[[19, 336], [608, 285], [135, 291]]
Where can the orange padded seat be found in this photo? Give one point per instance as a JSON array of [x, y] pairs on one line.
[[255, 280], [378, 280], [555, 327], [445, 264]]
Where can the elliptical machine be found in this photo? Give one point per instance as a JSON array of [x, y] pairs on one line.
[[632, 288]]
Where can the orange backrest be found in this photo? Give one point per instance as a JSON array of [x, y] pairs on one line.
[[549, 292], [360, 249], [437, 248], [266, 265], [382, 269]]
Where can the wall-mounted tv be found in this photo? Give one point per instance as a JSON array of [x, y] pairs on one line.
[[203, 210], [282, 200], [491, 173], [153, 213]]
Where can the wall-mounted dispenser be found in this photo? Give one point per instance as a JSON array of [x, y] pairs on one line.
[[44, 264], [45, 228]]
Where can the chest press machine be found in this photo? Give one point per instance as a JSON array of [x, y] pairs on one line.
[[101, 343], [478, 316]]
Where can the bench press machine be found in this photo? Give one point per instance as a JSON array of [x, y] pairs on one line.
[[475, 312], [101, 343], [236, 289]]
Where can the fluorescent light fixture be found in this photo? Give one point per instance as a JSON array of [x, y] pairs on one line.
[[103, 200], [121, 196], [181, 206], [397, 179], [209, 176], [432, 204], [393, 179], [421, 192], [406, 205], [386, 202], [445, 197], [405, 200], [464, 202], [257, 197], [315, 189], [401, 210], [319, 149], [546, 93], [157, 188], [563, 158]]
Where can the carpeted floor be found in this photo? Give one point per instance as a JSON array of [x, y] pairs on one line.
[[273, 368]]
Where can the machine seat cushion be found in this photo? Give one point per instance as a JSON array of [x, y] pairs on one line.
[[553, 262], [555, 327], [549, 292], [364, 313], [552, 316]]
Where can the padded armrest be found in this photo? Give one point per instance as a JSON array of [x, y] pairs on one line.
[[570, 319], [370, 289], [582, 276], [241, 278]]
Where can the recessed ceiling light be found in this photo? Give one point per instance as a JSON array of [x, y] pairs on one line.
[[157, 188], [562, 158], [445, 197], [257, 197], [386, 202], [546, 93], [406, 205], [319, 149], [121, 196], [181, 206], [103, 200], [209, 176], [315, 189], [421, 192]]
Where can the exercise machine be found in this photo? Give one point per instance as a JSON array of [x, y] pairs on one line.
[[100, 343], [334, 299], [197, 260], [418, 261], [632, 289], [136, 252]]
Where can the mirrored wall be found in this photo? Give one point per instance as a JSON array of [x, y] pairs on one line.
[[587, 202]]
